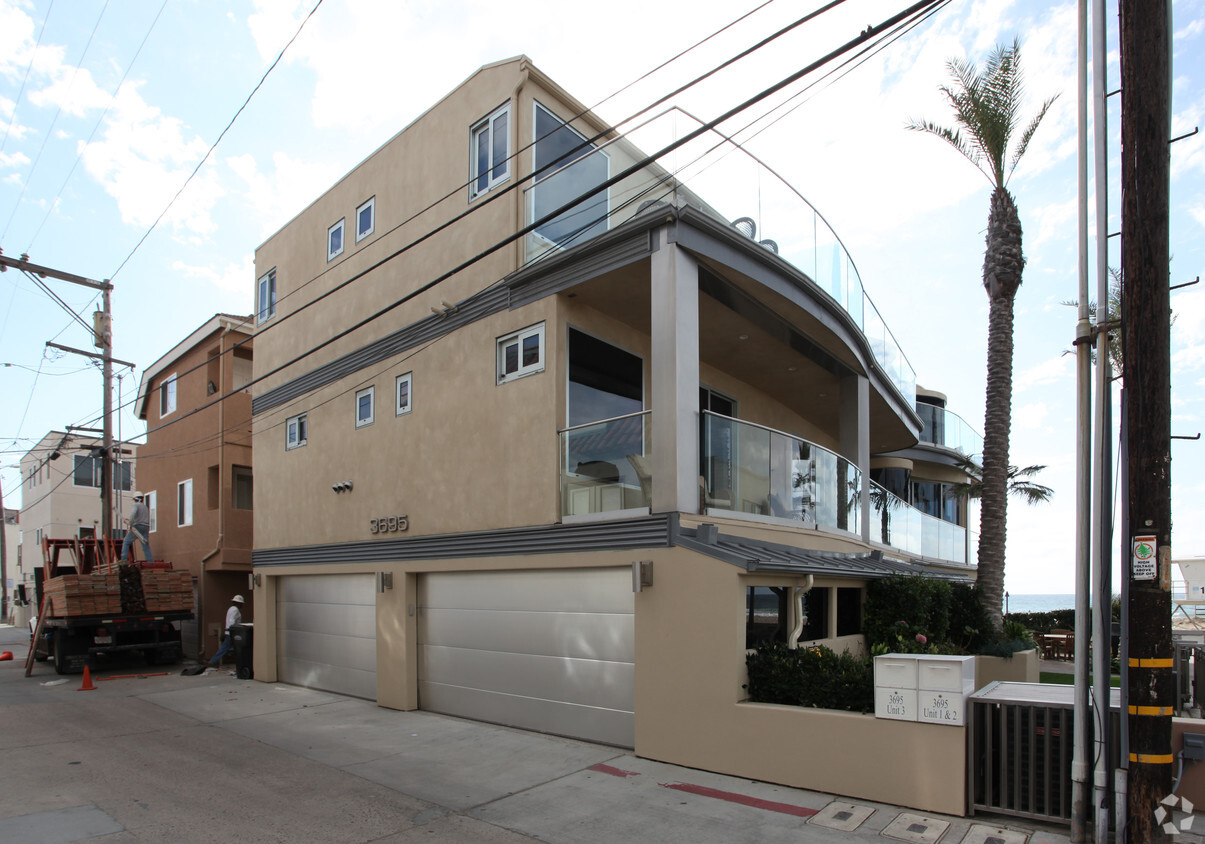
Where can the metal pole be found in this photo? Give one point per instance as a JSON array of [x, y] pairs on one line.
[[1083, 449], [106, 472], [1101, 511]]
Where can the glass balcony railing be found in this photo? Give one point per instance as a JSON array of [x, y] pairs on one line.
[[605, 466], [716, 174], [944, 428], [748, 468], [897, 523]]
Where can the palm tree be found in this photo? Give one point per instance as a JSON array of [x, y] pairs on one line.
[[986, 112], [1021, 483]]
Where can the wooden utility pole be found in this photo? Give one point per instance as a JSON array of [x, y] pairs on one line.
[[1146, 322]]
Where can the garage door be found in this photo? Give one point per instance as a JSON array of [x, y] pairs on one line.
[[327, 633], [543, 650]]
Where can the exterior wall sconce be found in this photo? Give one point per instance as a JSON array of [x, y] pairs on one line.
[[642, 575], [384, 580], [342, 486]]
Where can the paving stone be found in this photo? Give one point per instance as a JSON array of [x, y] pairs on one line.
[[916, 829], [984, 834]]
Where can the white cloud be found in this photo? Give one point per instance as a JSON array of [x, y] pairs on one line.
[[15, 159], [230, 277], [1047, 372], [1030, 416], [280, 193]]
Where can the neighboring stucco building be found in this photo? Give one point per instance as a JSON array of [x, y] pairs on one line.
[[558, 465], [61, 492], [12, 554], [195, 467]]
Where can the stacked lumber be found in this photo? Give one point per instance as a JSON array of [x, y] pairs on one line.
[[83, 594], [167, 591], [132, 600]]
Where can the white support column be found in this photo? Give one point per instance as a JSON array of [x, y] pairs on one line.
[[855, 438], [674, 399]]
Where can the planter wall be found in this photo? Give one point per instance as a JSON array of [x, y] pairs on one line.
[[1021, 667]]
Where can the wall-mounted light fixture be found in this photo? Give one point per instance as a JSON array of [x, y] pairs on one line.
[[342, 486], [384, 580], [642, 575]]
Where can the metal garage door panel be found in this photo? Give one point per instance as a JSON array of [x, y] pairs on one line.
[[574, 635], [587, 682], [565, 590], [326, 633], [549, 650], [585, 722]]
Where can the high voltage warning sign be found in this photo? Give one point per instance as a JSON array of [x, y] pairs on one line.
[[1143, 565]]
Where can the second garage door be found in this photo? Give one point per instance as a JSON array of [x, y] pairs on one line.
[[327, 633], [548, 650]]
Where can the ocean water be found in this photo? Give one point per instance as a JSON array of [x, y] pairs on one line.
[[1039, 603]]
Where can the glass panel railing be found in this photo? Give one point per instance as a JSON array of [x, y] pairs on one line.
[[605, 466], [897, 523], [714, 173], [749, 468], [948, 429]]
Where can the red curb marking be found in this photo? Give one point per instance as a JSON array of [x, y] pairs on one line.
[[615, 772], [755, 802]]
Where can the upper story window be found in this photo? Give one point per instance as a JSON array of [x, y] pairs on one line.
[[403, 393], [242, 488], [366, 219], [266, 296], [295, 431], [573, 168], [521, 353], [167, 396], [334, 241], [184, 503], [152, 504], [490, 151], [365, 406], [87, 471]]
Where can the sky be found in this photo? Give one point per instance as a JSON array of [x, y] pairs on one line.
[[106, 108]]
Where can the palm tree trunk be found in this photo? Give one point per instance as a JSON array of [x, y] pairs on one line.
[[1002, 266]]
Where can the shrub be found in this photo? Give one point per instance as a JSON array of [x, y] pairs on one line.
[[907, 614], [815, 677]]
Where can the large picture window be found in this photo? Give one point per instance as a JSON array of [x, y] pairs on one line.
[[574, 167], [490, 152]]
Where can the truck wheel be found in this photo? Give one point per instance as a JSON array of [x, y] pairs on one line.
[[65, 660], [60, 655]]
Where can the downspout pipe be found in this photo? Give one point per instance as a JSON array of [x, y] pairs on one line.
[[521, 243], [797, 593]]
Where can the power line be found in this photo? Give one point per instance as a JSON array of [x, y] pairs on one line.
[[213, 146], [21, 91]]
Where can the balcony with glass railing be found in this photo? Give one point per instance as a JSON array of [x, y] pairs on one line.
[[734, 185], [948, 429], [749, 468], [895, 522], [605, 466]]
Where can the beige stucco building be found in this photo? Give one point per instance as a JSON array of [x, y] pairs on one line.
[[61, 493], [544, 439]]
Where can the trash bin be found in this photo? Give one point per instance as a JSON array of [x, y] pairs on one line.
[[243, 636]]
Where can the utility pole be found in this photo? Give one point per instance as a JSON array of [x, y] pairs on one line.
[[1146, 310], [102, 329]]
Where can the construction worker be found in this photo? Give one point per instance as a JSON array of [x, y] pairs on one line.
[[140, 528], [234, 615]]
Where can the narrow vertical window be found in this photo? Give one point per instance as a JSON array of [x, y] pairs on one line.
[[152, 504], [404, 384], [366, 219], [364, 406], [167, 396], [490, 159], [266, 296], [184, 503], [295, 431]]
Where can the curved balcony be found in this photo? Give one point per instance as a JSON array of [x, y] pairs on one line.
[[750, 468], [897, 523], [949, 430], [715, 173]]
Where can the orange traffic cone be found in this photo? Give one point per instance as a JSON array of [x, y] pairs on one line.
[[87, 686], [7, 655]]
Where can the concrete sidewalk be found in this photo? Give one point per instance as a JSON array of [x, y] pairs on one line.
[[149, 757]]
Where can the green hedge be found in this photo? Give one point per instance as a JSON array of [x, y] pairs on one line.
[[814, 677], [912, 614]]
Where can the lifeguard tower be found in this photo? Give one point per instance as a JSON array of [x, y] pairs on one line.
[[1192, 604]]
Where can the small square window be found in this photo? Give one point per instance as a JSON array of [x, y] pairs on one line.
[[403, 392], [521, 353], [490, 153], [364, 406], [167, 396], [334, 241], [295, 431], [266, 297], [366, 219]]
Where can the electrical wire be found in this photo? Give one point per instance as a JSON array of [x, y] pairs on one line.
[[25, 79], [214, 145]]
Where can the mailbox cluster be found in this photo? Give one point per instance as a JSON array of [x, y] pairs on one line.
[[923, 687]]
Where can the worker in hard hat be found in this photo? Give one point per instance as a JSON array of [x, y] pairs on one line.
[[140, 529], [234, 616]]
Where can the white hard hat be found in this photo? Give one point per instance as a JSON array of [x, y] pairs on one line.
[[237, 599]]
